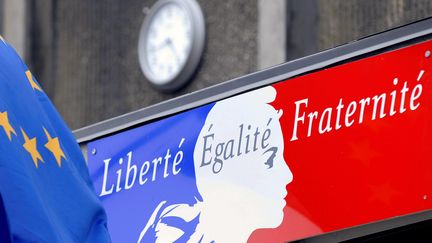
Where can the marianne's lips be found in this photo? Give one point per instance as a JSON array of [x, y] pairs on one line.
[[284, 193]]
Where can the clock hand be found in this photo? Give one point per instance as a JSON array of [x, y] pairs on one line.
[[160, 46], [173, 49]]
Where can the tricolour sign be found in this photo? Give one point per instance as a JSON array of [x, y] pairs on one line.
[[333, 149]]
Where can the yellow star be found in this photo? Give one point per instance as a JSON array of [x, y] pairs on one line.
[[30, 146], [4, 122], [33, 84], [53, 145]]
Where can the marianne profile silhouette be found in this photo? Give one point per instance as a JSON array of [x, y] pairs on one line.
[[240, 174]]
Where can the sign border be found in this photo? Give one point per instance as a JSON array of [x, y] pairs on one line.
[[369, 46], [385, 41]]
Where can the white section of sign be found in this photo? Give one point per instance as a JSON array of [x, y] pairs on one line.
[[243, 187]]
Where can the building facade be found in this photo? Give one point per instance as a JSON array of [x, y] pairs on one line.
[[84, 53]]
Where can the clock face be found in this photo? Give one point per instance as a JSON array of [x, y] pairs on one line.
[[168, 42], [171, 43]]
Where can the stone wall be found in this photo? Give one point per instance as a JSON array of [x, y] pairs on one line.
[[91, 70], [84, 53], [316, 25]]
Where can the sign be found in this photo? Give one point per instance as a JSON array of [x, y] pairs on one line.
[[333, 149]]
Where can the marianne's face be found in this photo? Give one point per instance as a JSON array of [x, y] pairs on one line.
[[277, 174], [265, 171], [239, 158]]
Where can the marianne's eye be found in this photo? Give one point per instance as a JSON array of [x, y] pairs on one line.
[[272, 156]]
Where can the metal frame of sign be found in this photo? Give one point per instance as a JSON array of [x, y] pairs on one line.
[[389, 40]]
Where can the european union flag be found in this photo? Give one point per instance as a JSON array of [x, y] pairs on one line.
[[44, 181]]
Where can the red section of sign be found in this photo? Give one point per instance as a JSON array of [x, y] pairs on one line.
[[356, 167]]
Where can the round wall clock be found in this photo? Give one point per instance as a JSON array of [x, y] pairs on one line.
[[171, 43]]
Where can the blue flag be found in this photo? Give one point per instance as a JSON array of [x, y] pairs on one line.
[[44, 182], [4, 225]]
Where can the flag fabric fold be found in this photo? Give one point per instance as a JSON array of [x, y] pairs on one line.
[[44, 182]]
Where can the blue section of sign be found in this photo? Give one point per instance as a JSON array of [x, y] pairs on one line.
[[139, 172]]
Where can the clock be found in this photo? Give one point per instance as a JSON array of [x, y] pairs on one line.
[[171, 43]]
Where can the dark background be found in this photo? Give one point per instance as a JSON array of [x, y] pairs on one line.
[[84, 53]]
